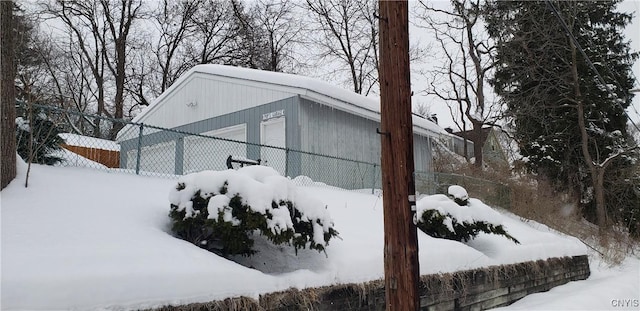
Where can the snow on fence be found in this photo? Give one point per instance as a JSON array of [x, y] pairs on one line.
[[105, 152], [477, 289]]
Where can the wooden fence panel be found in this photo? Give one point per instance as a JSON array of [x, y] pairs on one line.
[[108, 158]]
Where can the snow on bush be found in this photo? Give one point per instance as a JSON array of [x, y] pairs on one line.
[[220, 210], [457, 217], [458, 194]]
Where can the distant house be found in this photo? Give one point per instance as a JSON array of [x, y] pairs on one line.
[[105, 152], [492, 151], [262, 108]]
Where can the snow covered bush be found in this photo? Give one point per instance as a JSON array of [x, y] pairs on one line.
[[457, 217], [221, 210]]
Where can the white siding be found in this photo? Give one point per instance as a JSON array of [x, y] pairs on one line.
[[203, 97]]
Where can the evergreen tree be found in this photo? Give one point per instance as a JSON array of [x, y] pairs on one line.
[[37, 138], [544, 96]]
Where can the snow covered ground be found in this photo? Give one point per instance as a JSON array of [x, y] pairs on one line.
[[607, 288], [81, 239]]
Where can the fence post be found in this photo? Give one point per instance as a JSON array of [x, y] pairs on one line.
[[139, 153], [286, 163], [373, 179]]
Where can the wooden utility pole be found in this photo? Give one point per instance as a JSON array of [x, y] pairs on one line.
[[401, 268]]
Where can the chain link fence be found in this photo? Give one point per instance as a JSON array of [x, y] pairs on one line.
[[154, 151], [491, 193]]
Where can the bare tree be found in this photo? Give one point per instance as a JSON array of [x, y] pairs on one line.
[[252, 49], [214, 34], [468, 59], [173, 25], [422, 109], [281, 29], [119, 19], [67, 83], [99, 31], [346, 32], [176, 24], [7, 60]]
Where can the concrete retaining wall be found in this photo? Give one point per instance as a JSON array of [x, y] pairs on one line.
[[477, 289]]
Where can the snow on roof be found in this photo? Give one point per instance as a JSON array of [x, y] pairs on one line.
[[89, 142], [307, 87]]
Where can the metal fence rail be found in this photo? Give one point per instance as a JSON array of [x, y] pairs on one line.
[[491, 193], [162, 152]]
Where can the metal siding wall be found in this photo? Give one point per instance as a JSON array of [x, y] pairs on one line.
[[422, 153], [215, 96], [251, 117], [338, 133]]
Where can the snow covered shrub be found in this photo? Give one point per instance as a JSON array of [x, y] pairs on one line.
[[221, 210], [445, 217]]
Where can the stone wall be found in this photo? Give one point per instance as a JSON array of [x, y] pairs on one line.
[[477, 289]]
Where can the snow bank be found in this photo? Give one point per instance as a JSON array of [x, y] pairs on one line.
[[82, 239]]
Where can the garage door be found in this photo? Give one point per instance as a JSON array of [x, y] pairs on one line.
[[204, 153]]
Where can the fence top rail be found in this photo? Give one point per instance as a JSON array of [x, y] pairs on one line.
[[79, 113], [464, 177]]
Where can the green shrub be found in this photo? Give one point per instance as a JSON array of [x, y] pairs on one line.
[[224, 220], [457, 217], [433, 222]]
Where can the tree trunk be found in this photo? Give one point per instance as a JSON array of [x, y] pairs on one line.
[[596, 170], [7, 91], [477, 143], [120, 81], [598, 189]]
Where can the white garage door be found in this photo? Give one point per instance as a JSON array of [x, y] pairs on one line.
[[273, 133], [203, 153], [158, 158]]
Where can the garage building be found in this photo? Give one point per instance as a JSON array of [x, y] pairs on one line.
[[298, 116]]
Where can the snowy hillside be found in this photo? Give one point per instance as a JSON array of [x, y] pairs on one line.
[[78, 238]]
